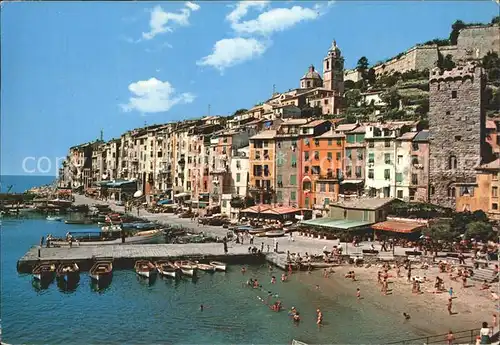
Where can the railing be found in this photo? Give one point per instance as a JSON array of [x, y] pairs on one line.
[[468, 336]]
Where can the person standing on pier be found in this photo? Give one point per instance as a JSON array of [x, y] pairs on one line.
[[225, 245]]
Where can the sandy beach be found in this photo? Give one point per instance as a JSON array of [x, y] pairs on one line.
[[428, 311]]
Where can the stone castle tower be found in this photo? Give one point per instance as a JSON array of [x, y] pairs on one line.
[[333, 70], [457, 132]]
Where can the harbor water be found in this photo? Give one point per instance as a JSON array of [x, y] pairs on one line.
[[133, 311]]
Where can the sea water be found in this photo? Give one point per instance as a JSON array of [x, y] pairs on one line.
[[132, 311], [21, 183]]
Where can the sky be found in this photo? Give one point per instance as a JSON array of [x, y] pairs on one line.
[[72, 69]]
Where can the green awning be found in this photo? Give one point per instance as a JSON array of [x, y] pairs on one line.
[[342, 224]]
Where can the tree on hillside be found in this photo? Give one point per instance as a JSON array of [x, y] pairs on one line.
[[391, 98], [491, 64], [370, 76], [455, 30], [362, 65], [240, 111], [353, 97], [349, 84], [448, 63], [495, 20]]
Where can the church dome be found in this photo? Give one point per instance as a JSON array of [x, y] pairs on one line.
[[311, 74], [334, 50]]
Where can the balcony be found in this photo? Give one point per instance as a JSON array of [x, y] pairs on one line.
[[331, 177]]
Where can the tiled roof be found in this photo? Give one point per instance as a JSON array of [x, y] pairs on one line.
[[269, 134], [364, 204], [282, 210], [346, 127], [408, 136], [330, 134], [314, 123], [360, 129], [294, 122]]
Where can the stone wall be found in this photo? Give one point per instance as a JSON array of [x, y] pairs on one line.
[[456, 125], [473, 42]]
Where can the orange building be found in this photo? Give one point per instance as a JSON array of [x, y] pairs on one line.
[[262, 167], [310, 166], [484, 195]]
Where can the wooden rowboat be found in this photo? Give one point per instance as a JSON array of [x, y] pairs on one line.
[[68, 272], [101, 271], [167, 269], [145, 268], [219, 266], [275, 233], [187, 267], [205, 267], [44, 272]]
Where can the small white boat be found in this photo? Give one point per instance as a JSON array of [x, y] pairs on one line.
[[54, 218], [145, 268], [219, 266], [167, 269], [275, 233], [205, 267], [187, 267]]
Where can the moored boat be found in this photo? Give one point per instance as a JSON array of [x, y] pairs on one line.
[[78, 221], [205, 267], [145, 268], [68, 272], [97, 238], [44, 272], [219, 266], [187, 267], [256, 231], [167, 269], [54, 218], [275, 233], [101, 270]]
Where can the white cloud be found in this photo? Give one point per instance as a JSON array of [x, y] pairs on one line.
[[192, 6], [232, 51], [154, 96], [276, 19], [241, 9], [161, 21]]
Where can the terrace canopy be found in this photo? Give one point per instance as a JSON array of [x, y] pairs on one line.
[[398, 226], [336, 224]]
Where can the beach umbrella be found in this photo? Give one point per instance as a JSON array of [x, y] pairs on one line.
[[138, 194]]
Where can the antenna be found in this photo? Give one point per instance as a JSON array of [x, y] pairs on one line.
[[274, 89], [209, 110], [102, 135]]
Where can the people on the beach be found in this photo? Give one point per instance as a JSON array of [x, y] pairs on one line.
[[450, 337], [406, 316], [450, 305], [243, 270], [358, 294], [319, 317], [273, 280]]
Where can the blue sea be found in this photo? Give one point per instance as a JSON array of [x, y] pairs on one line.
[[131, 311], [21, 183]]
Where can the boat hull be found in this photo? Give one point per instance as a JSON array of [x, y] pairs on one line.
[[188, 271], [279, 233], [146, 239], [219, 266]]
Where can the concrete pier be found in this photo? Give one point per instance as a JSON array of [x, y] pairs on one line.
[[124, 256]]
